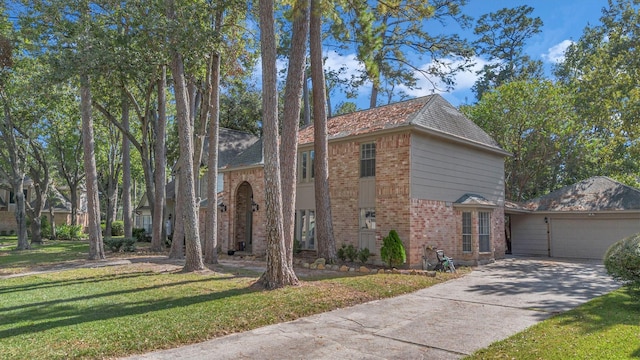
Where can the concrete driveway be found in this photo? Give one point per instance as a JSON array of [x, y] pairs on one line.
[[446, 321]]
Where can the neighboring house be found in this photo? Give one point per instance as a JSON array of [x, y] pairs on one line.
[[61, 208], [577, 221], [231, 143], [418, 167]]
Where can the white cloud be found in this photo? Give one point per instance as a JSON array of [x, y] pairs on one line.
[[349, 63], [555, 54], [464, 80]]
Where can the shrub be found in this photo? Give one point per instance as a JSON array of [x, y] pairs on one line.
[[392, 251], [117, 228], [68, 232], [297, 247], [363, 255], [139, 234], [622, 260], [115, 244], [341, 253], [45, 227], [351, 253]]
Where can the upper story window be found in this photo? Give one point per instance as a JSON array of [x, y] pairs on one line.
[[305, 166], [368, 160]]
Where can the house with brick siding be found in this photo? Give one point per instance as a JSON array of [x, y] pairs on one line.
[[57, 205], [419, 167]]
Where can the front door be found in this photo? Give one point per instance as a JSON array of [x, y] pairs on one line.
[[243, 238]]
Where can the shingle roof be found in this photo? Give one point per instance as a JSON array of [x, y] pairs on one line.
[[230, 144], [598, 193], [432, 113], [253, 155], [474, 200]]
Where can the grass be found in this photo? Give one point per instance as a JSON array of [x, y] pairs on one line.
[[123, 310], [607, 327], [52, 252]]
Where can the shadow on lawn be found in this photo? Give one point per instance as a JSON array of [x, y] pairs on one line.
[[72, 311]]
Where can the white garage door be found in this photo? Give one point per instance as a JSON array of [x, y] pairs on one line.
[[588, 238]]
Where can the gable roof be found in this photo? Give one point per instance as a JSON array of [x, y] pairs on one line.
[[598, 193], [252, 156], [230, 144], [430, 113], [474, 200]]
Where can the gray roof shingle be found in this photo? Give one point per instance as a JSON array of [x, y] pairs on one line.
[[431, 113], [598, 193]]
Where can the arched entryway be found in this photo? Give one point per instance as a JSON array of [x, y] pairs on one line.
[[243, 239]]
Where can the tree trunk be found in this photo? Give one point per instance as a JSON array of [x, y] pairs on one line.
[[20, 213], [157, 238], [324, 226], [96, 246], [211, 241], [278, 272], [193, 260], [127, 211], [291, 121], [177, 239]]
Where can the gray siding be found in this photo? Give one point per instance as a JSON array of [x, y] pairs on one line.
[[445, 171], [529, 235]]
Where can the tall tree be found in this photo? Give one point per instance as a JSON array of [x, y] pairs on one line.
[[160, 165], [127, 210], [535, 122], [324, 225], [278, 272], [291, 120], [603, 70], [387, 31], [193, 261], [503, 36]]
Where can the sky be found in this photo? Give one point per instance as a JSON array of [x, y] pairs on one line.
[[563, 22]]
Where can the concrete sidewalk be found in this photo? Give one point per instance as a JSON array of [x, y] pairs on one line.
[[446, 321]]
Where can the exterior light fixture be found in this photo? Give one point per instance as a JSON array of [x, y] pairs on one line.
[[254, 206], [222, 207]]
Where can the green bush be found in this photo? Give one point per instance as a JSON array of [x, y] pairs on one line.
[[139, 234], [297, 247], [45, 227], [117, 228], [115, 244], [341, 253], [363, 255], [622, 260], [69, 232], [351, 253], [392, 251]]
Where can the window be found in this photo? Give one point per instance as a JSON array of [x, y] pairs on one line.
[[466, 232], [368, 160], [306, 229], [305, 166], [12, 197], [484, 231], [368, 218], [146, 223]]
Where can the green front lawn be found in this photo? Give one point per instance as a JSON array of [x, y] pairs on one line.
[[122, 310], [54, 251], [607, 327]]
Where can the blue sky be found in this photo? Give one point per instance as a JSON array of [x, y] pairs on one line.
[[564, 21]]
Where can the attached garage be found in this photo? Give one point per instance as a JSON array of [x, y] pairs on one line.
[[578, 221], [590, 237]]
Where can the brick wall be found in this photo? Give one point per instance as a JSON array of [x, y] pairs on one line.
[[228, 234], [392, 189], [344, 180]]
